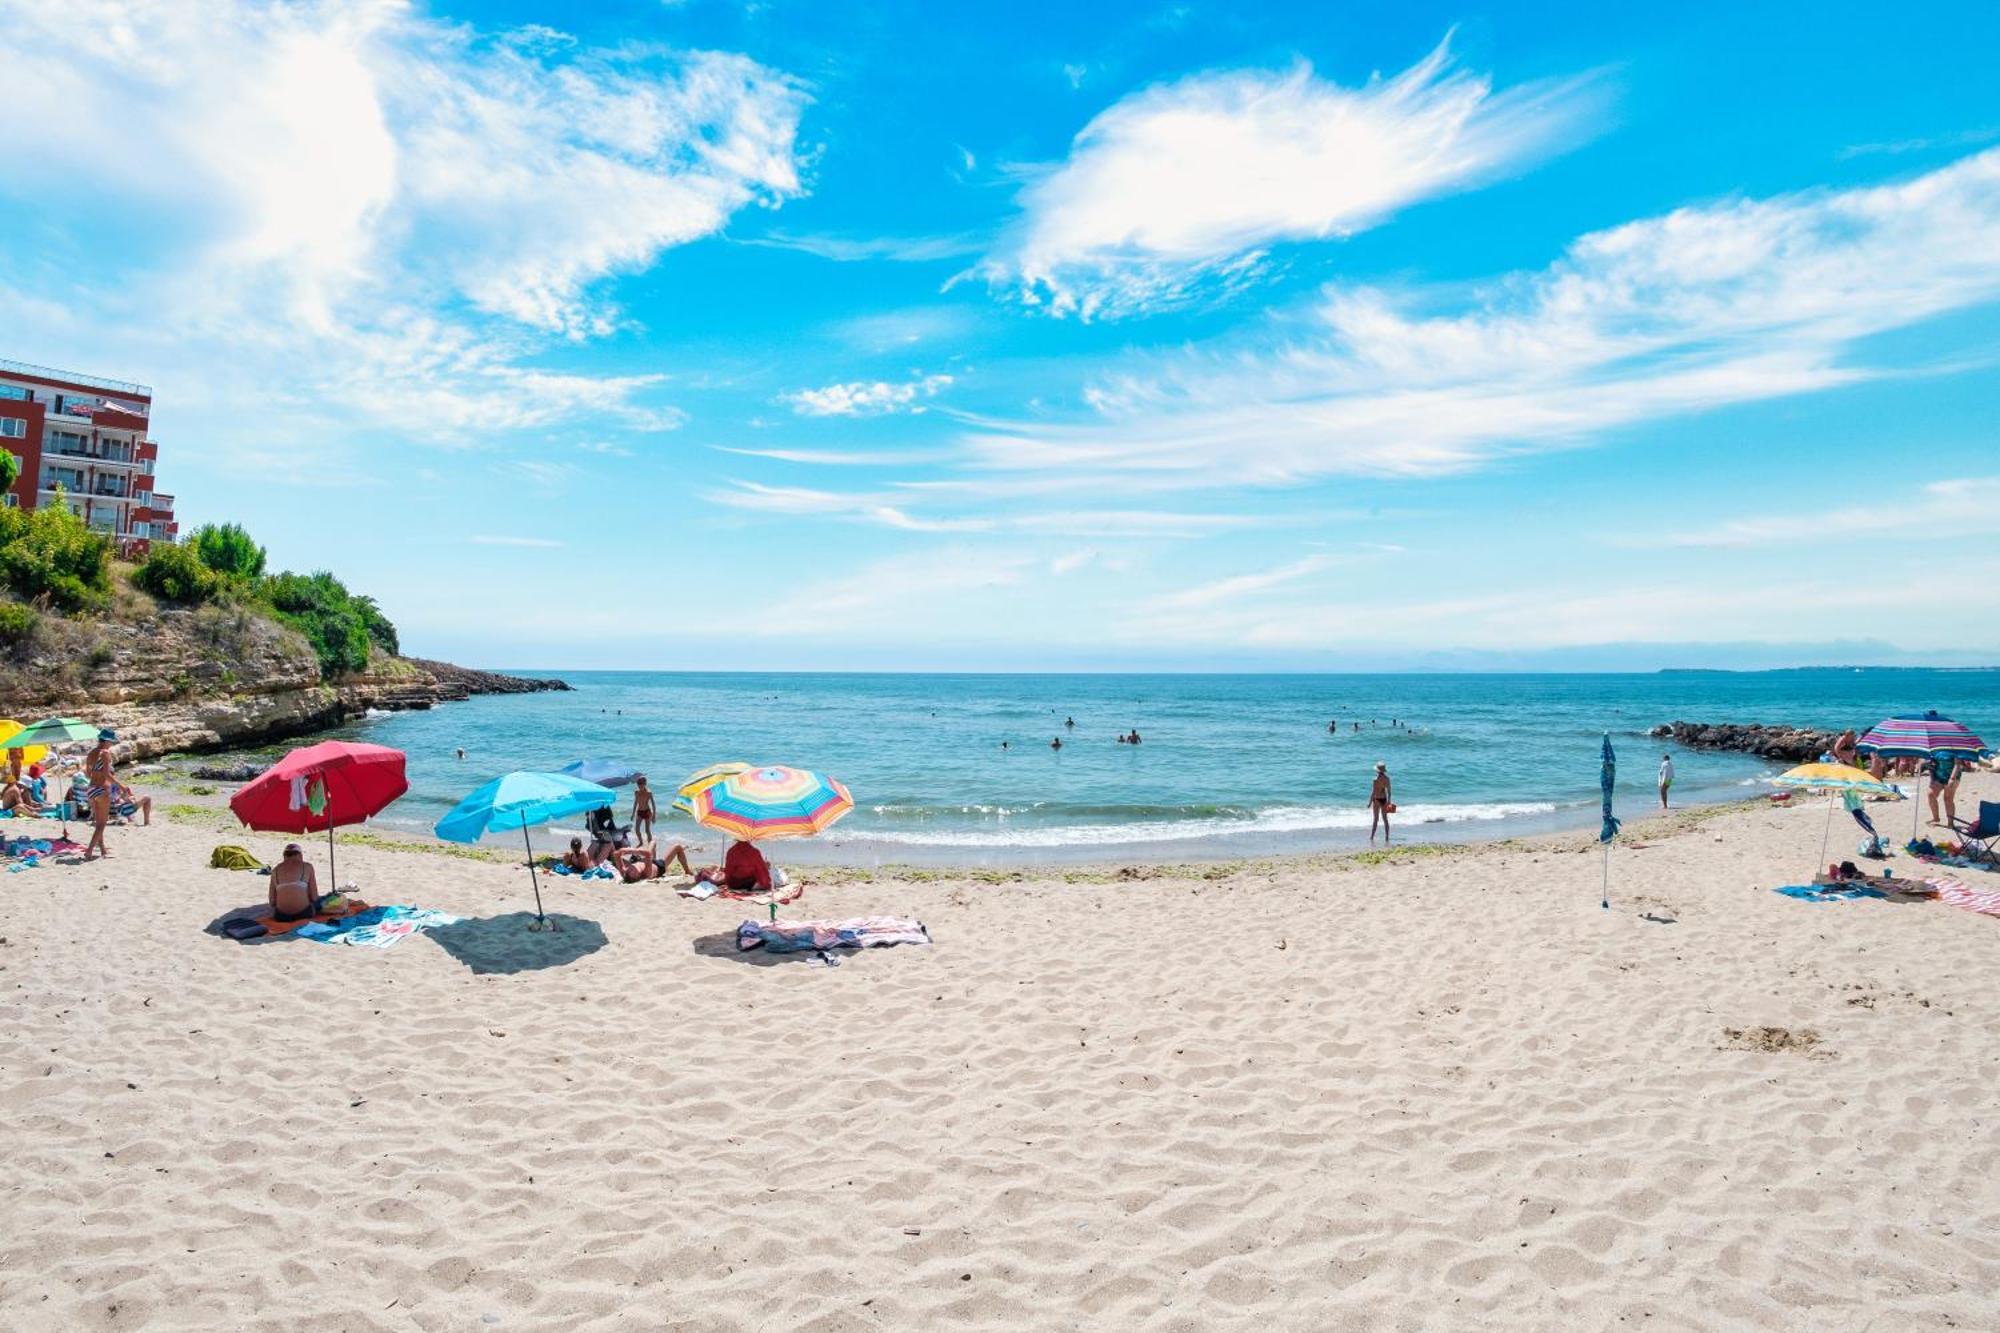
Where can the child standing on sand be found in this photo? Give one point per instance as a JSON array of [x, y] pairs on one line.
[[642, 811]]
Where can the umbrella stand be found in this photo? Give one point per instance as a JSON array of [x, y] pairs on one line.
[[541, 922]]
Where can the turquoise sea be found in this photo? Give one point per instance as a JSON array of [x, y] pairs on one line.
[[1229, 765]]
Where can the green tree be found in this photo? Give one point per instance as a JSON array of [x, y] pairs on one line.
[[320, 607], [50, 555], [10, 472], [228, 550], [178, 574]]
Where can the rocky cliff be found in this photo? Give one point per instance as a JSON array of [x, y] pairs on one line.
[[1788, 744], [212, 678]]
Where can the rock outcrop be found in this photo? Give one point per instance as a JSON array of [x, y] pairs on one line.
[[185, 681], [1787, 744]]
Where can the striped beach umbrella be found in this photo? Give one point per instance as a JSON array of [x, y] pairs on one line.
[[1921, 735], [771, 802]]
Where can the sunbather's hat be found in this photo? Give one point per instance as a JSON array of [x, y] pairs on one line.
[[107, 735], [291, 847], [34, 770]]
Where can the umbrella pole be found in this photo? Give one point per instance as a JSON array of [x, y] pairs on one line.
[[540, 919], [1917, 804], [1604, 895], [332, 871], [1827, 835]]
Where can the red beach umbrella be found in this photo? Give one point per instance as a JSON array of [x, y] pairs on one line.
[[324, 786]]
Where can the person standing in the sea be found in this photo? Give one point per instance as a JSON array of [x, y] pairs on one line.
[[1666, 777], [1379, 803]]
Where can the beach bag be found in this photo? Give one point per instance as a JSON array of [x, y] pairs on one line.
[[233, 858], [1388, 807]]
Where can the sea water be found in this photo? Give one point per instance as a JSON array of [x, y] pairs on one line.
[[959, 768]]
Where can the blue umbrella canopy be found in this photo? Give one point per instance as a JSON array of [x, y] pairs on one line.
[[604, 772], [1608, 779], [518, 801]]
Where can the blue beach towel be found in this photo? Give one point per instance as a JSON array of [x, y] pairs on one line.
[[376, 928], [1836, 893]]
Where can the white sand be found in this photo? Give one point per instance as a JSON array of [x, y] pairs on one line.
[[1445, 1094]]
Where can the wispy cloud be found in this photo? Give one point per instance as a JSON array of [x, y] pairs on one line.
[[842, 457], [1186, 185], [1727, 303], [866, 398], [536, 543], [1242, 585], [1897, 147], [859, 249], [1965, 503], [892, 511]]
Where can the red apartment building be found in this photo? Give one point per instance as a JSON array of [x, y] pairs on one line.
[[88, 436]]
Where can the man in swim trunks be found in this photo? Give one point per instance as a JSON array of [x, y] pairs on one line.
[[103, 780]]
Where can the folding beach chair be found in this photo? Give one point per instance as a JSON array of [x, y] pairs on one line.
[[1981, 837]]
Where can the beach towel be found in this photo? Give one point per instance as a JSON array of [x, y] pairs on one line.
[[377, 927], [348, 907], [1828, 893], [1958, 893], [803, 936], [595, 872]]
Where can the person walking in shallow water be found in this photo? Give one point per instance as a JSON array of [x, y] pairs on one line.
[[1666, 777], [1379, 804]]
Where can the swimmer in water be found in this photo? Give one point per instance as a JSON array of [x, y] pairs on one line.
[[1056, 744]]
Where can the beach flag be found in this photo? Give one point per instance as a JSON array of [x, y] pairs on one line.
[[1608, 778]]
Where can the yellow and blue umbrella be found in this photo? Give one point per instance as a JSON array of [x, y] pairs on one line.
[[771, 802], [704, 779], [1834, 778]]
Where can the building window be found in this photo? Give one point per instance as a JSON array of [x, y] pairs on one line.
[[12, 391], [13, 428]]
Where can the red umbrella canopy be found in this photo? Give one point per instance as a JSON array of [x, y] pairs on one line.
[[359, 781]]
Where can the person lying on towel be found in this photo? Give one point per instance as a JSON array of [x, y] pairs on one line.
[[294, 886], [639, 863]]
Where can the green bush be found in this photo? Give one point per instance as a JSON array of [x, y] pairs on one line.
[[228, 550], [178, 574], [320, 607], [18, 625], [10, 471], [52, 556]]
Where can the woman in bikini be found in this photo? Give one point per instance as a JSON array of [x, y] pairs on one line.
[[97, 768], [294, 886], [634, 864], [1379, 803]]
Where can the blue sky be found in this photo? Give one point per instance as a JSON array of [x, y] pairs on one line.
[[778, 335]]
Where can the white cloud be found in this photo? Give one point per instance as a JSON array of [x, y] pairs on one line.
[[1963, 504], [1187, 184], [890, 512], [1071, 561], [1241, 585], [386, 213], [866, 398], [1727, 303]]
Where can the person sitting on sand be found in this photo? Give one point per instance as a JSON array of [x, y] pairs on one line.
[[576, 858], [743, 870], [13, 796], [125, 803], [1843, 748], [634, 864], [1379, 804], [294, 886]]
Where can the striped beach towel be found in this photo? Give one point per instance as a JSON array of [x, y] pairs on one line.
[[1960, 894]]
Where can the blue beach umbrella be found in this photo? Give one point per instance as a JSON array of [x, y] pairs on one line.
[[1608, 778], [604, 772], [518, 800]]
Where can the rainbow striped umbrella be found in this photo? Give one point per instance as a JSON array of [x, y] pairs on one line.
[[771, 802], [1833, 777], [1922, 735]]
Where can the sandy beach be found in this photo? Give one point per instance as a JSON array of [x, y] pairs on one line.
[[1428, 1091]]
